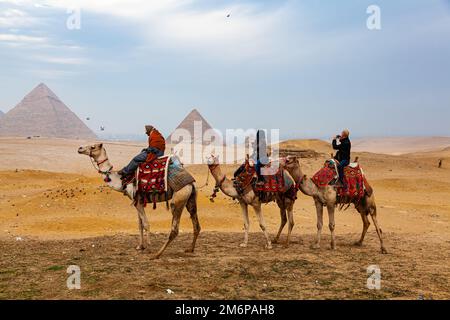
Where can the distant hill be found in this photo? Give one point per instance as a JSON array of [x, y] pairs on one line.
[[398, 146], [307, 144], [42, 113]]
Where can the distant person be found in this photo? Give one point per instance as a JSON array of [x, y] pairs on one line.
[[156, 148], [440, 164], [343, 152]]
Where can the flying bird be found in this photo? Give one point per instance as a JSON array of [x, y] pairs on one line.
[[228, 15]]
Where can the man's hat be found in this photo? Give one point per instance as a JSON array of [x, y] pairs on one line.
[[149, 128]]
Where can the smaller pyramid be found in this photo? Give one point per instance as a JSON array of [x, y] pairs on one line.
[[42, 113], [192, 121], [1, 113]]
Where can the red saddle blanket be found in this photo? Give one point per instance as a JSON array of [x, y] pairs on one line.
[[353, 177], [272, 183], [152, 176]]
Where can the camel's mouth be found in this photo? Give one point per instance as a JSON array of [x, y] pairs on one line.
[[81, 150]]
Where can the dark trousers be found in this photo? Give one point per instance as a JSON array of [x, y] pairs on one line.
[[342, 165], [140, 158]]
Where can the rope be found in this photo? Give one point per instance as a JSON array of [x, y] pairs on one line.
[[207, 181]]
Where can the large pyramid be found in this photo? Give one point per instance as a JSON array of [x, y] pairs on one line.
[[188, 124], [42, 113]]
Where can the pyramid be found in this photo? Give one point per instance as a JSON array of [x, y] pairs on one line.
[[1, 113], [188, 124], [42, 113]]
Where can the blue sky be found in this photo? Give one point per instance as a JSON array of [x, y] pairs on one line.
[[309, 68]]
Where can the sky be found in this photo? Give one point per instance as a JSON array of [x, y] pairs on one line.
[[309, 68]]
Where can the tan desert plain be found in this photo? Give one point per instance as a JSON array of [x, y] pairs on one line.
[[56, 212]]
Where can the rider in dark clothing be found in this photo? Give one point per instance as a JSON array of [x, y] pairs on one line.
[[343, 152]]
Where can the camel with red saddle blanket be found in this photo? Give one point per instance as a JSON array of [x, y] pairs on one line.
[[325, 193], [163, 180], [248, 194]]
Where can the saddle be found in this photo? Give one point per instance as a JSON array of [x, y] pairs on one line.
[[356, 185], [268, 186]]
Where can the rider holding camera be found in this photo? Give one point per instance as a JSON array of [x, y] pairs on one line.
[[343, 152]]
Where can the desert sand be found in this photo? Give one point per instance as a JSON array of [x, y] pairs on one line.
[[55, 211]]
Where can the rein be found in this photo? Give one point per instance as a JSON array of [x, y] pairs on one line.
[[97, 168]]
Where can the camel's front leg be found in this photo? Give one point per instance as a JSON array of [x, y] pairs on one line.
[[244, 208], [319, 210], [143, 226], [332, 225], [291, 223], [262, 225]]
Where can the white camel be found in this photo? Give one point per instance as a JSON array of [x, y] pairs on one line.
[[185, 197], [327, 197]]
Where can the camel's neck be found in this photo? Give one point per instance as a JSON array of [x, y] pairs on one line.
[[306, 186], [105, 166], [226, 185]]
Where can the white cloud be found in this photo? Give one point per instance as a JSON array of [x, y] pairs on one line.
[[21, 39], [183, 25], [14, 18], [60, 60]]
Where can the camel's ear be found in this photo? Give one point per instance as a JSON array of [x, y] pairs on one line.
[[100, 145]]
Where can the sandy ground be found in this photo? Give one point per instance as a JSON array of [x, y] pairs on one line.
[[55, 212]]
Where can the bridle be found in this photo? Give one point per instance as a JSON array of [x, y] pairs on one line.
[[94, 163]]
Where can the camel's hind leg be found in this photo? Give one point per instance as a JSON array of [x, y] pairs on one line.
[[366, 224], [191, 207], [373, 214], [179, 201], [283, 221]]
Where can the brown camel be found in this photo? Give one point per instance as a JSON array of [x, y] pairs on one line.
[[328, 197], [185, 197], [248, 197]]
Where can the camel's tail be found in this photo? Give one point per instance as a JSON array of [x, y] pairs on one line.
[[192, 201]]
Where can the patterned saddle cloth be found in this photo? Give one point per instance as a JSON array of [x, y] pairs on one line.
[[356, 185], [152, 176], [280, 182], [158, 179]]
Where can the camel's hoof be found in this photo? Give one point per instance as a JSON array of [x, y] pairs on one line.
[[243, 245], [358, 244], [333, 247], [269, 246], [315, 246], [276, 241], [384, 251]]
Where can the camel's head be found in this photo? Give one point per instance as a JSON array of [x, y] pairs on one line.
[[93, 151], [212, 160], [290, 163]]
